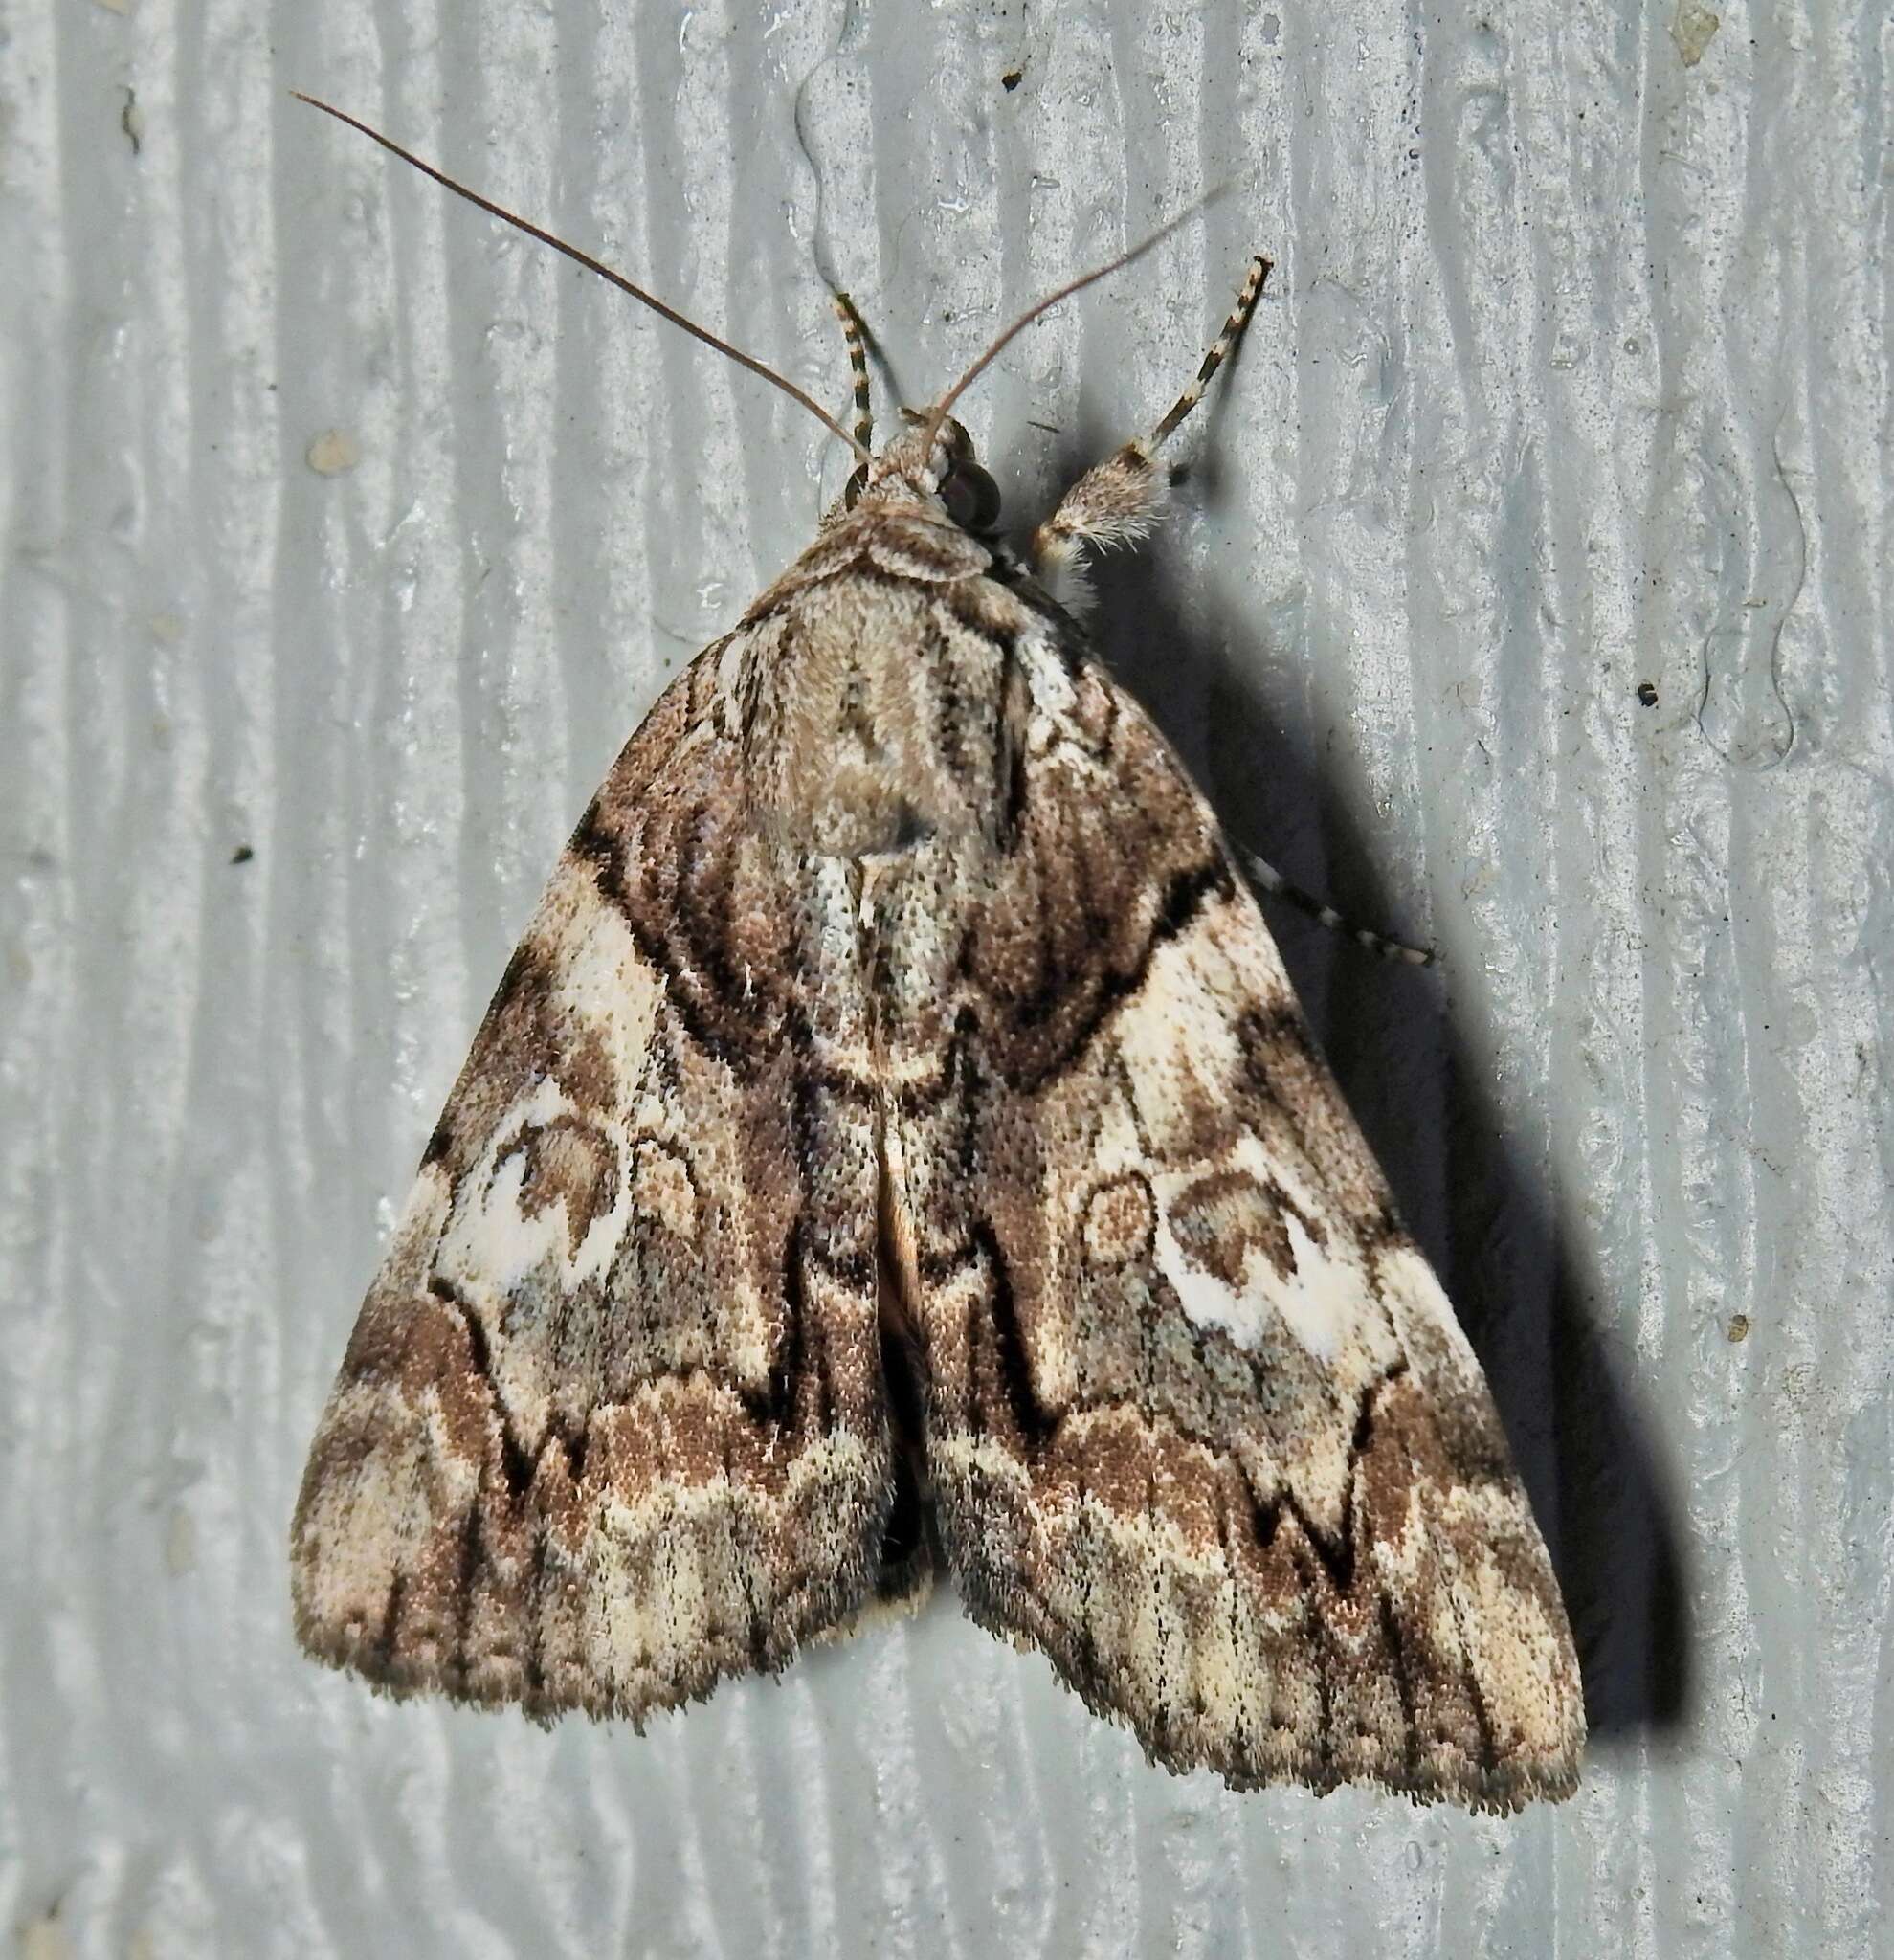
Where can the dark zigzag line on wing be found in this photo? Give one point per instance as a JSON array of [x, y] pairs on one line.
[[519, 1465], [1038, 1429], [1340, 1565], [1399, 1662], [1187, 894], [595, 846]]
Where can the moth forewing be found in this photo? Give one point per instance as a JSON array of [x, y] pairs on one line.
[[896, 1139]]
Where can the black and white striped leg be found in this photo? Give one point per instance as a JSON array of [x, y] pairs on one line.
[[1271, 881], [1118, 500], [855, 336], [1219, 352]]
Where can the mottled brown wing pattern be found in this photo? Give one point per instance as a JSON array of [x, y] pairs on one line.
[[1201, 1424], [610, 1423], [898, 1095], [898, 1092]]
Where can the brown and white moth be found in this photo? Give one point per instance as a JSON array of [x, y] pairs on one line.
[[895, 1146]]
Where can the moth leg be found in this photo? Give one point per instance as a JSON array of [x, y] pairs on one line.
[[1268, 880], [856, 339], [1118, 500], [1219, 352]]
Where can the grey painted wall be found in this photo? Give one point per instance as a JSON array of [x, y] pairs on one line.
[[345, 531]]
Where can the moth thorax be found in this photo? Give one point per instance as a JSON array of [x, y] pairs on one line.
[[860, 765]]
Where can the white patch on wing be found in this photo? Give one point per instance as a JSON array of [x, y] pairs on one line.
[[601, 979], [1322, 1301], [1179, 1048], [1049, 685], [494, 1242], [1207, 1302]]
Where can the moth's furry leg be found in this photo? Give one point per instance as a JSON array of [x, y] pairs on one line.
[[1114, 502], [1266, 878], [1118, 500]]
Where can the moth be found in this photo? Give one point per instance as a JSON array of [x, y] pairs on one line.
[[895, 1146]]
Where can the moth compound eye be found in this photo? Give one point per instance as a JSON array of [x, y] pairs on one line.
[[971, 498], [855, 484]]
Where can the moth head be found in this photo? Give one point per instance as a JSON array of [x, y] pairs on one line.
[[943, 469]]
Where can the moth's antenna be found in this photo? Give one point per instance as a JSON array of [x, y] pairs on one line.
[[939, 413], [592, 264]]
